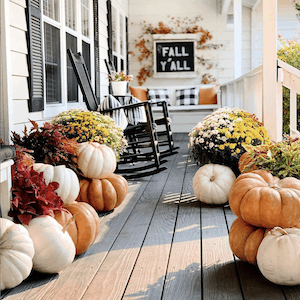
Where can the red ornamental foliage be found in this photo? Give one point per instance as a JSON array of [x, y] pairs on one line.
[[31, 196]]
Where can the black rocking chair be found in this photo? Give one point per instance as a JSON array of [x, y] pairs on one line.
[[142, 152]]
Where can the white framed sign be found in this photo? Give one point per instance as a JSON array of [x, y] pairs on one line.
[[174, 56]]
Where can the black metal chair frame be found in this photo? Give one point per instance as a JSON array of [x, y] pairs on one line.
[[133, 133]]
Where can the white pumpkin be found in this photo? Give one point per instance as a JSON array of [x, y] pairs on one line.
[[16, 253], [68, 181], [278, 256], [212, 183], [54, 248], [96, 160]]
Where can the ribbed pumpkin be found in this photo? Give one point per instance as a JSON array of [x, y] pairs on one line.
[[86, 226], [266, 201], [16, 253], [96, 160], [68, 181], [103, 194], [244, 240]]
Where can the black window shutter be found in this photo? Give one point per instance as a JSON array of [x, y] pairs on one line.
[[97, 50], [127, 56], [109, 30], [35, 56]]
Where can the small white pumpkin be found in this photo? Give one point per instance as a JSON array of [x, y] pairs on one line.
[[278, 256], [68, 181], [54, 248], [16, 253], [96, 160], [212, 183]]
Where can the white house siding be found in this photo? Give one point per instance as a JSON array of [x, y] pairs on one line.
[[155, 11], [287, 25]]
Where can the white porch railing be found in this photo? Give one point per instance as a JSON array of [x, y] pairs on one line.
[[246, 92]]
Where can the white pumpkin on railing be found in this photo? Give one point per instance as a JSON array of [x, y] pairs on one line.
[[16, 253], [68, 181], [212, 183], [278, 256]]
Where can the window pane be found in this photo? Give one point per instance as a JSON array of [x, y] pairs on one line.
[[71, 43], [86, 55], [121, 35], [116, 63], [52, 64], [122, 65], [85, 17], [70, 10], [114, 29], [51, 9]]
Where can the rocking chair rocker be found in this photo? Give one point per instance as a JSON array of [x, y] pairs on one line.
[[140, 137]]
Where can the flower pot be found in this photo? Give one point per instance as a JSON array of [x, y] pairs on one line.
[[119, 88]]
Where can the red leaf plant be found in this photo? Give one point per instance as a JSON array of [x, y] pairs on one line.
[[31, 196]]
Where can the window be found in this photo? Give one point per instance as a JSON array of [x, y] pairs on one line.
[[118, 40], [69, 28]]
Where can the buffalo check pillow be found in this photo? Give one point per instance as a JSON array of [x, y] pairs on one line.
[[188, 96], [159, 95]]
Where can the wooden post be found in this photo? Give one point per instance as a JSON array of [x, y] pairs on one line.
[[237, 7], [272, 105]]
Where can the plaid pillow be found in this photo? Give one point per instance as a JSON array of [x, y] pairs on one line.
[[187, 96], [159, 95]]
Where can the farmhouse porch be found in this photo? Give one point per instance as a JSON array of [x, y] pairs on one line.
[[161, 243]]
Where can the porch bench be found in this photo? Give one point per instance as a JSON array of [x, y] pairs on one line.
[[184, 117]]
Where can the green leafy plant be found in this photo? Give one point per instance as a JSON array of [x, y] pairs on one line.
[[289, 53], [281, 159], [48, 145], [84, 126], [119, 76], [222, 136]]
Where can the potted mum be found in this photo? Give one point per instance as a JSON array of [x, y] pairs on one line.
[[118, 81]]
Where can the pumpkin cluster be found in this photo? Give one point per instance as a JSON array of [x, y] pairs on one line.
[[266, 207], [100, 187]]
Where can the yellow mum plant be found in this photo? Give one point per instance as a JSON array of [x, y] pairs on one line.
[[84, 126], [221, 137]]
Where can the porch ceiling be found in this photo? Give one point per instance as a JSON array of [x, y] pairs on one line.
[[248, 3]]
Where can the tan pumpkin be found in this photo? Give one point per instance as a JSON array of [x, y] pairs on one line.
[[68, 181], [266, 201], [86, 226], [96, 160], [103, 194]]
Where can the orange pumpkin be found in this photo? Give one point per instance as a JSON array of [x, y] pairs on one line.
[[266, 201], [85, 228], [103, 194]]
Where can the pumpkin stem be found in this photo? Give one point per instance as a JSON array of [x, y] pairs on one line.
[[212, 178], [69, 222], [279, 229]]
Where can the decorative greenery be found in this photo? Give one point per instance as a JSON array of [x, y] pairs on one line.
[[281, 159], [120, 76], [31, 196], [222, 136], [84, 126], [48, 145], [289, 53], [144, 43]]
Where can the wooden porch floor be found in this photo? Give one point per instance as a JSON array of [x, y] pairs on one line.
[[161, 243]]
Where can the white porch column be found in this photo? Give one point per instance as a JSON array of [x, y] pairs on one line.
[[237, 8], [272, 105]]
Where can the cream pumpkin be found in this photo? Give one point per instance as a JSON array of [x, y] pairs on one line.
[[16, 253], [96, 160], [54, 248], [68, 181], [212, 183], [278, 256]]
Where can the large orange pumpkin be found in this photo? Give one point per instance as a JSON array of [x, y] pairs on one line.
[[103, 194], [266, 201], [85, 228]]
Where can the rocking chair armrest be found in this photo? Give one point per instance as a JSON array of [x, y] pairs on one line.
[[144, 103]]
